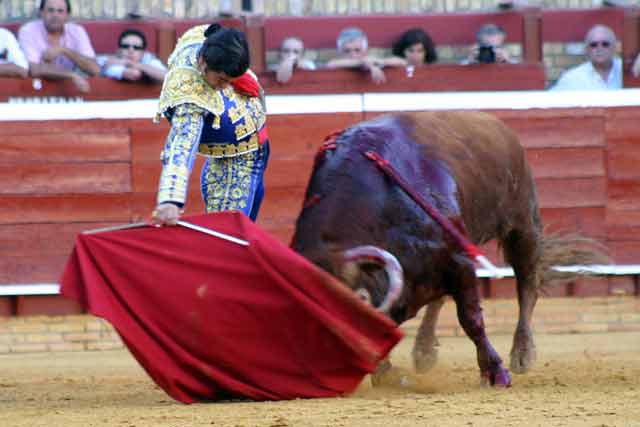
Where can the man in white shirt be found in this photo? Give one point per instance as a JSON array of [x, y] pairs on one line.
[[13, 63], [603, 71]]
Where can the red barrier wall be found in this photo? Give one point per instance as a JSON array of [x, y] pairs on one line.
[[62, 177]]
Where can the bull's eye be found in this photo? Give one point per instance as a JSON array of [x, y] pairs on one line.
[[364, 295]]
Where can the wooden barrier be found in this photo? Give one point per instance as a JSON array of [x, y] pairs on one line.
[[65, 176], [320, 32], [434, 78]]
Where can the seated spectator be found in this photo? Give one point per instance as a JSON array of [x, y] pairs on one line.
[[489, 47], [353, 45], [416, 47], [12, 60], [635, 69], [132, 62], [291, 56], [57, 49], [602, 71]]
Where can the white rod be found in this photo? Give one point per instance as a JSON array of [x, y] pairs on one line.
[[213, 233]]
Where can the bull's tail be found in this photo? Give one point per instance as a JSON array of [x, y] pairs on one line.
[[559, 249]]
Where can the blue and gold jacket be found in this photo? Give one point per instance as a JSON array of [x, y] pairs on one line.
[[212, 122]]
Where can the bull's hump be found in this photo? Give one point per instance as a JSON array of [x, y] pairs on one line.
[[381, 132]]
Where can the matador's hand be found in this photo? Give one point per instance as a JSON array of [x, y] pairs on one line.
[[166, 214]]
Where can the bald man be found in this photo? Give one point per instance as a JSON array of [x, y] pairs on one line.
[[603, 70]]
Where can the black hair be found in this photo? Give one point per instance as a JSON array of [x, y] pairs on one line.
[[68, 2], [225, 50], [411, 37], [133, 32]]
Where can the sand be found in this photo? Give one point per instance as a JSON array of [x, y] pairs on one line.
[[579, 380]]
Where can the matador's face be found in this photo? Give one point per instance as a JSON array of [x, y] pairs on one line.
[[215, 79]]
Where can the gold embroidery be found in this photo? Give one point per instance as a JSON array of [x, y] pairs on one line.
[[186, 126], [242, 130], [186, 86], [229, 150], [229, 181]]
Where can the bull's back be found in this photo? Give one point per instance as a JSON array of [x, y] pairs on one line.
[[493, 180]]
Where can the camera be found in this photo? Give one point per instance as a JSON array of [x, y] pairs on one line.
[[486, 54]]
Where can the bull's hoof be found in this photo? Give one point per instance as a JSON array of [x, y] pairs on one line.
[[499, 378], [382, 371], [393, 377], [424, 361], [523, 357]]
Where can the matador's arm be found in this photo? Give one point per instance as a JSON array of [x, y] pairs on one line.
[[179, 153]]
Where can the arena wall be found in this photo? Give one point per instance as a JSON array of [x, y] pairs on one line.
[[64, 176]]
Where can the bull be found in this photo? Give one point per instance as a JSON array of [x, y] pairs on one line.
[[362, 227]]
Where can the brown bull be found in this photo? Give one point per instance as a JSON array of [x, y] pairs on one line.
[[469, 167]]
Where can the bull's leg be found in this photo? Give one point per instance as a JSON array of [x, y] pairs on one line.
[[464, 290], [425, 351], [522, 251]]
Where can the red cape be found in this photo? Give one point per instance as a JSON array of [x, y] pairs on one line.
[[209, 319]]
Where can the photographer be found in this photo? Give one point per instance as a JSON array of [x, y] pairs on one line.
[[489, 47]]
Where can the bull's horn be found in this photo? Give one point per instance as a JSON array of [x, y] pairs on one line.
[[372, 254]]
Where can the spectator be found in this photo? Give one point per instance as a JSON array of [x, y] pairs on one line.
[[291, 56], [602, 71], [489, 47], [353, 45], [12, 60], [57, 49], [635, 69], [416, 47], [132, 62]]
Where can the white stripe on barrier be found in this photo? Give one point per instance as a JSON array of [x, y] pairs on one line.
[[598, 270], [331, 104], [30, 289], [506, 100]]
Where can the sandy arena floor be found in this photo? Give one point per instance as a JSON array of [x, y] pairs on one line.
[[580, 380]]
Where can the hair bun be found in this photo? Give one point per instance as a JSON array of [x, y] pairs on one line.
[[212, 29]]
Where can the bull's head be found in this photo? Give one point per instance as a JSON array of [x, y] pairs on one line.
[[349, 203], [358, 273]]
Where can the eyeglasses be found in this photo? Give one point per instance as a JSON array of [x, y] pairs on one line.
[[56, 10], [130, 46], [352, 49], [603, 43]]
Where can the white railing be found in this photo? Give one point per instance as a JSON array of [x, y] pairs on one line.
[[591, 270]]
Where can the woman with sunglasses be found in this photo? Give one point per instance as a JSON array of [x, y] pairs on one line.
[[132, 62], [215, 106]]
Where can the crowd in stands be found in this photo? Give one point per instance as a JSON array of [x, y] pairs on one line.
[[54, 48]]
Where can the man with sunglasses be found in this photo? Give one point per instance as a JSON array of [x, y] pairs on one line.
[[603, 70], [132, 62], [57, 49]]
